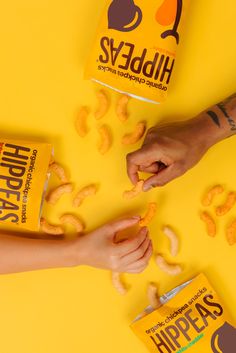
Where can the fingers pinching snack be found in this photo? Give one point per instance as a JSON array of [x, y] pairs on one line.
[[152, 295], [105, 139], [136, 135], [103, 106], [210, 195], [226, 207], [88, 190], [73, 220], [135, 191], [231, 233], [81, 122], [174, 241], [50, 228], [117, 283], [55, 194], [121, 107], [170, 269], [210, 223], [152, 207], [59, 171]]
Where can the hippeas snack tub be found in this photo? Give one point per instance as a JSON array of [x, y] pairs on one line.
[[192, 318], [23, 176], [135, 46]]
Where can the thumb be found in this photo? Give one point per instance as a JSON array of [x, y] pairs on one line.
[[163, 177]]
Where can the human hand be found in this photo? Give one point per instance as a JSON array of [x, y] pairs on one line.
[[100, 248], [169, 151]]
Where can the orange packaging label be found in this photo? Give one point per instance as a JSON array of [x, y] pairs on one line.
[[23, 176], [135, 46], [192, 319]]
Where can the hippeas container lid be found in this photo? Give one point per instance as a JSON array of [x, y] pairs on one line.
[[192, 318], [23, 179]]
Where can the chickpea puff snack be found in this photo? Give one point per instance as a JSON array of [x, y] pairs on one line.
[[135, 47], [23, 179], [190, 318]]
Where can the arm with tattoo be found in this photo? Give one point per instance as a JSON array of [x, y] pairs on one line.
[[170, 150], [223, 114]]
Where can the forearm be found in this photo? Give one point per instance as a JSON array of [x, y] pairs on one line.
[[23, 254], [169, 150], [219, 121]]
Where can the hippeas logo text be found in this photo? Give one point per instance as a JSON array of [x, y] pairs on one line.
[[135, 47], [23, 181], [123, 56], [167, 340], [191, 318], [13, 167]]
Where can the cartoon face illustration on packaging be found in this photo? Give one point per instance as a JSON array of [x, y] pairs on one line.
[[124, 15], [224, 339]]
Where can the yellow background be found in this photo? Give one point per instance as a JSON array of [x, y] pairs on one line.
[[44, 45]]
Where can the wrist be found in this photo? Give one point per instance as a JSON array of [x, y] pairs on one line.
[[206, 133], [73, 253], [222, 119]]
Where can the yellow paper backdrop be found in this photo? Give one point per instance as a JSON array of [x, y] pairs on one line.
[[44, 45]]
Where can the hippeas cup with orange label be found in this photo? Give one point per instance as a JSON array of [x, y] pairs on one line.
[[135, 46], [192, 318], [23, 177]]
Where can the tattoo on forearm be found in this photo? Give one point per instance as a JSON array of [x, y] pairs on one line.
[[225, 107], [231, 122], [229, 104], [214, 117]]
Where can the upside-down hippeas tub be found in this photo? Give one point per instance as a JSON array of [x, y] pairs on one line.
[[135, 47]]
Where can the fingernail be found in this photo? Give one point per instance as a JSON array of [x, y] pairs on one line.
[[146, 187], [136, 217], [144, 230]]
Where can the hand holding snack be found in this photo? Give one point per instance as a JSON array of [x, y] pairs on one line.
[[100, 249], [170, 150], [167, 152]]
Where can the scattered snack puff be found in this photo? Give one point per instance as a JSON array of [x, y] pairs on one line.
[[23, 179], [191, 318], [117, 283], [135, 47]]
